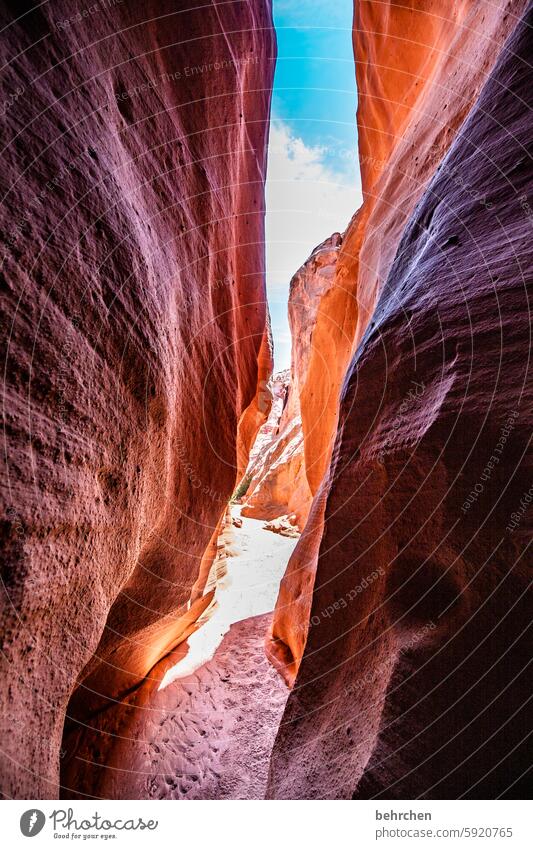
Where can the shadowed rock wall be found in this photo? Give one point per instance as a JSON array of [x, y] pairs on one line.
[[419, 72], [137, 346], [413, 681]]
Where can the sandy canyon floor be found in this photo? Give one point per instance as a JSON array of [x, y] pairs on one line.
[[205, 730]]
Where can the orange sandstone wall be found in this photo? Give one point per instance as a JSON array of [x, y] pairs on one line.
[[410, 660], [419, 69], [136, 340], [281, 484]]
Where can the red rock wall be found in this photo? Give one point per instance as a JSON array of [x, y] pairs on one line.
[[275, 460], [418, 74], [282, 481], [135, 319], [419, 69], [413, 681]]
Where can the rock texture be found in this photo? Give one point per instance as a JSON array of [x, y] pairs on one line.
[[419, 73], [283, 475], [277, 483], [203, 722], [414, 682], [137, 343]]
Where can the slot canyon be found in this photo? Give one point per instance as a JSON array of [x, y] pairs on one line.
[[221, 579]]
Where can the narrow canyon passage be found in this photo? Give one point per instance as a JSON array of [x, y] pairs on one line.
[[170, 210], [203, 725], [206, 720]]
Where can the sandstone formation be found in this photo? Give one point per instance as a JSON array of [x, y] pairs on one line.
[[285, 526], [281, 478], [275, 474], [419, 72], [278, 389], [137, 341], [419, 68], [137, 376], [278, 485], [414, 681]]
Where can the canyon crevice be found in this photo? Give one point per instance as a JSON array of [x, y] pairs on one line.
[[403, 618], [137, 341], [138, 375]]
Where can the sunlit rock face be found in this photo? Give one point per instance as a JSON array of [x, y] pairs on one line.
[[282, 474], [413, 681], [419, 72], [135, 320], [281, 485], [259, 500], [419, 69], [278, 485]]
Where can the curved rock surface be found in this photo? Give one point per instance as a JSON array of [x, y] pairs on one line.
[[419, 69], [413, 681], [419, 72], [281, 479], [278, 389], [133, 298]]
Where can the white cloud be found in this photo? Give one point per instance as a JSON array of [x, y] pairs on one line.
[[307, 201]]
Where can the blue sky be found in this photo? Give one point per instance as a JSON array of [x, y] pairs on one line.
[[313, 184]]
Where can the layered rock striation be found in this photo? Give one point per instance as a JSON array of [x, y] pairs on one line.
[[419, 72], [409, 653], [136, 378], [137, 345]]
